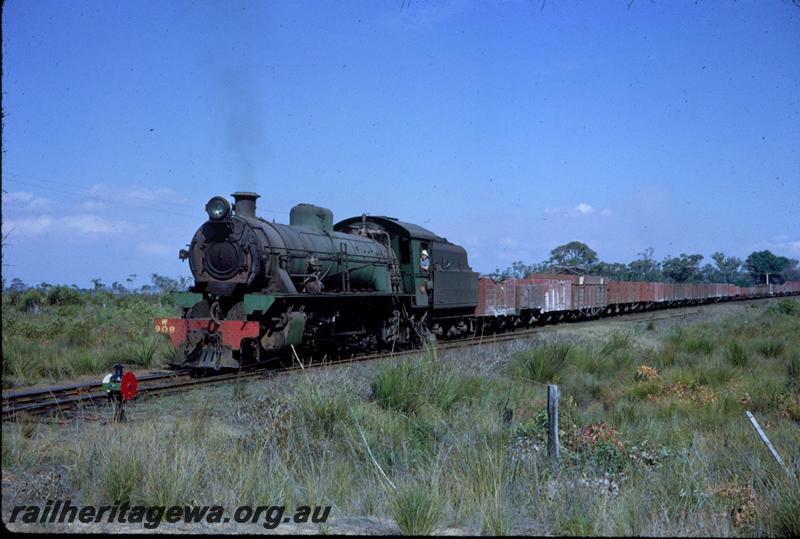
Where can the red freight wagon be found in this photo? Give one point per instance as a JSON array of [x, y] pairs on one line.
[[589, 292], [660, 291], [496, 298], [648, 292], [551, 294], [616, 294]]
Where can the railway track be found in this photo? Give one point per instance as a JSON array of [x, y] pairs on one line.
[[67, 397]]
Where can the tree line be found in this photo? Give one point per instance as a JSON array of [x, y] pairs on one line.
[[577, 257], [159, 284]]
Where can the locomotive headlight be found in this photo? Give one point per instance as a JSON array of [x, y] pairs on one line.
[[218, 208]]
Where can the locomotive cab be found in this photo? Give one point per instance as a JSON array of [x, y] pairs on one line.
[[449, 282]]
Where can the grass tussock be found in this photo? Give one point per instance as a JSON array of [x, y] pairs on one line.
[[541, 364], [737, 354], [786, 512], [769, 347], [416, 508], [410, 386]]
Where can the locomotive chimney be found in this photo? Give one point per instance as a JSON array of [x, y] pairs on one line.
[[244, 203]]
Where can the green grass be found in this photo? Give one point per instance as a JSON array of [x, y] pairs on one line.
[[455, 442], [121, 474], [409, 386], [769, 347], [542, 364], [786, 512], [737, 355], [787, 306], [698, 343], [66, 333], [416, 509]]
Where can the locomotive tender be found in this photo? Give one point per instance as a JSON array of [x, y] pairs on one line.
[[264, 288]]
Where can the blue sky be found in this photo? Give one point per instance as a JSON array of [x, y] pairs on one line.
[[507, 127]]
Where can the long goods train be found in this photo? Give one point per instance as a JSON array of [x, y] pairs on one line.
[[262, 288]]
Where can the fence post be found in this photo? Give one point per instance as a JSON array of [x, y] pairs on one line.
[[769, 445], [552, 421]]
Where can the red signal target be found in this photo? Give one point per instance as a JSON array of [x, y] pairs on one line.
[[128, 386]]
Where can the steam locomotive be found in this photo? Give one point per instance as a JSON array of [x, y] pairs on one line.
[[264, 289]]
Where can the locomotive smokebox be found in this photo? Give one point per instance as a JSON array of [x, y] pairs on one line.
[[244, 203]]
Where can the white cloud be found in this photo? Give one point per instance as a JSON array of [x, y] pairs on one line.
[[133, 195], [31, 226], [582, 209], [89, 224], [17, 197], [24, 200], [92, 205], [84, 224], [154, 248], [509, 243], [782, 246]]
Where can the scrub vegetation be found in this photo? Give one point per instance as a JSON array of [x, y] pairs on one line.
[[52, 333], [654, 437]]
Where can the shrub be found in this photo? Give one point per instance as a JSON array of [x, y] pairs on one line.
[[599, 446], [32, 299], [63, 295], [646, 373], [79, 333], [787, 306], [542, 364], [417, 509]]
